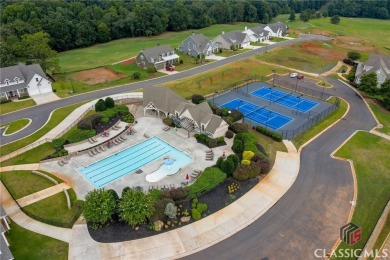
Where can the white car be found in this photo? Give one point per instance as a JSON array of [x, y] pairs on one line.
[[293, 75]]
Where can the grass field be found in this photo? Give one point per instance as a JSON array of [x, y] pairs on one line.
[[57, 116], [54, 208], [382, 114], [317, 128], [114, 51], [16, 126], [382, 236], [228, 53], [222, 78], [370, 157], [25, 244], [31, 156], [362, 34], [17, 105], [23, 183], [270, 145]]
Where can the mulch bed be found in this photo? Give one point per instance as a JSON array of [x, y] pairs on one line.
[[101, 127], [215, 199]]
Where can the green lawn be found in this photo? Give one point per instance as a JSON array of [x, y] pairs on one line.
[[324, 123], [228, 53], [277, 39], [54, 209], [16, 125], [370, 157], [57, 116], [17, 105], [222, 78], [25, 244], [189, 62], [258, 44], [383, 116], [270, 145], [114, 51], [374, 32], [34, 155], [23, 183], [382, 236]]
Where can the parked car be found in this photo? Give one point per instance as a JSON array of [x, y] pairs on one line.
[[170, 68], [300, 77], [293, 75]]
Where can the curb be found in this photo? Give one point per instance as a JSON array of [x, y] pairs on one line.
[[29, 122]]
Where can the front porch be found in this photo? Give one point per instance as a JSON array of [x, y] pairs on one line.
[[14, 94]]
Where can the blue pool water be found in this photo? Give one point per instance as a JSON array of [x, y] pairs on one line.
[[129, 160]]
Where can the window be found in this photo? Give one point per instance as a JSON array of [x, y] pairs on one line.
[[17, 80], [36, 79], [7, 82], [2, 94], [21, 90]]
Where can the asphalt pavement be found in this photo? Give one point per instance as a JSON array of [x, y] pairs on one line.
[[309, 215], [40, 113]]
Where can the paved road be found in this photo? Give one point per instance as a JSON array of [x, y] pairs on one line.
[[40, 114], [310, 214]]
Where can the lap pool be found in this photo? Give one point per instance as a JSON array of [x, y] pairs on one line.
[[131, 159]]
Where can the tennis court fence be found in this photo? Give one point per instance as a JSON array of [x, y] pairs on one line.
[[302, 90]]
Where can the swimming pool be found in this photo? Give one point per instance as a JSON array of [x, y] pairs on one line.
[[131, 159]]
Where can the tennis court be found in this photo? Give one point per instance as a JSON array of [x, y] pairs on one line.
[[258, 114], [285, 98]]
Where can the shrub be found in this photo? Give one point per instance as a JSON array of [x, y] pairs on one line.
[[95, 119], [155, 194], [212, 143], [110, 113], [224, 111], [236, 115], [208, 180], [228, 120], [196, 214], [277, 137], [121, 109], [220, 140], [100, 106], [233, 187], [234, 158], [98, 208], [84, 124], [335, 19], [246, 162], [181, 61], [24, 97], [201, 207], [109, 102], [354, 55], [349, 62], [114, 195], [58, 142], [137, 75], [104, 120], [168, 121], [159, 208], [351, 75], [202, 138], [247, 155], [263, 163], [229, 134], [239, 128], [196, 98], [227, 167], [238, 146], [135, 207], [151, 70], [219, 162], [125, 189], [241, 173], [178, 193], [78, 135], [128, 118], [4, 101], [170, 210]]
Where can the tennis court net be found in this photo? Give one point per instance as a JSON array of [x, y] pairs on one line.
[[254, 111], [288, 94]]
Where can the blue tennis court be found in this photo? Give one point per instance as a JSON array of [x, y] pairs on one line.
[[258, 114], [285, 98]]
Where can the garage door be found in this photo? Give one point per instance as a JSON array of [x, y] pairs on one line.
[[39, 90], [34, 91], [45, 89]]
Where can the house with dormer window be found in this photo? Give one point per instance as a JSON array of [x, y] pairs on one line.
[[257, 34], [197, 44], [21, 80], [276, 29], [234, 38], [158, 57], [379, 64]]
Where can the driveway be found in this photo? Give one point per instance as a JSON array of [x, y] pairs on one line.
[[40, 114], [312, 211]]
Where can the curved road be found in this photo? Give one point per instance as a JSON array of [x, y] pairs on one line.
[[309, 215], [39, 114]]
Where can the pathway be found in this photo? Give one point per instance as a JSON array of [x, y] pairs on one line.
[[203, 233], [334, 69], [40, 195], [375, 132], [14, 212], [291, 69]]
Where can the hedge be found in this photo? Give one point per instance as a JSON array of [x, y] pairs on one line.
[[277, 137], [239, 128], [208, 180], [78, 135]]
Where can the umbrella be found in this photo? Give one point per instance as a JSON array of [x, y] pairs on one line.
[[187, 177]]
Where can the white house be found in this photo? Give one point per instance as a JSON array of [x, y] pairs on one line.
[[276, 29], [256, 34], [237, 38], [5, 252], [199, 118], [21, 80], [379, 64]]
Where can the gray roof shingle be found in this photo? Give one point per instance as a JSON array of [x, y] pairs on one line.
[[374, 63], [201, 40], [21, 71], [234, 37], [156, 52]]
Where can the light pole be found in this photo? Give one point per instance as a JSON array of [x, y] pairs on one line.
[[273, 78], [296, 83]]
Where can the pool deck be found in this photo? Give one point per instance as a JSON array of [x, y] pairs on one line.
[[153, 127]]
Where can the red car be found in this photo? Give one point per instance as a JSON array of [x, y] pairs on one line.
[[300, 77], [170, 68]]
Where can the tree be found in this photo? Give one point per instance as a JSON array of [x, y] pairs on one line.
[[353, 55], [385, 91], [109, 102], [99, 206], [135, 207], [100, 105], [228, 166], [197, 98], [136, 75], [103, 32], [305, 15], [324, 14], [238, 146], [368, 83], [335, 19], [292, 15]]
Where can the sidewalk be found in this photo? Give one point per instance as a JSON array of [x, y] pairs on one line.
[[14, 212], [203, 233], [375, 132], [43, 194]]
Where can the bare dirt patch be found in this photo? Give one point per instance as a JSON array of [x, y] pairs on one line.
[[320, 32], [354, 43], [96, 76], [127, 62], [319, 50]]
